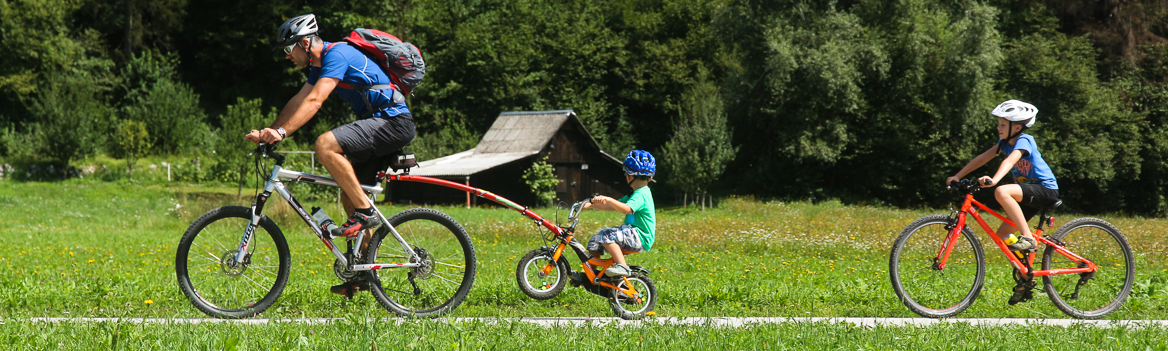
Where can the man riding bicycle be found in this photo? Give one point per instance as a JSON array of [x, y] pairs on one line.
[[353, 153]]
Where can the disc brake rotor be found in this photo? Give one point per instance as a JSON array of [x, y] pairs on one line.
[[426, 264], [232, 268]]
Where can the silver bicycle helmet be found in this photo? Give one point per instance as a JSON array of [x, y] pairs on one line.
[[294, 29], [1016, 111]]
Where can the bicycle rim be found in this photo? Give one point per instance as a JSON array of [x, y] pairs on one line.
[[634, 307], [447, 256], [1108, 287], [538, 276], [209, 280], [932, 292]]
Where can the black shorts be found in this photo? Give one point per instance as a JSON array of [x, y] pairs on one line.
[[367, 143], [1035, 198]]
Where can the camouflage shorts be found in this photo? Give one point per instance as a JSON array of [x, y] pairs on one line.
[[626, 236]]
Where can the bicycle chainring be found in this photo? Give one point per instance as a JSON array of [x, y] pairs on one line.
[[343, 272]]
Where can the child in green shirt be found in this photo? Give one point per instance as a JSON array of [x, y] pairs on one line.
[[639, 230]]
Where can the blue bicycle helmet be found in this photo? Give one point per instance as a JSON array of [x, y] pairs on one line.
[[640, 163]]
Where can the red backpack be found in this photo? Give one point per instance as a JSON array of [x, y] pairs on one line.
[[402, 61]]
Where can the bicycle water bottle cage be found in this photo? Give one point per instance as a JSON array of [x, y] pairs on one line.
[[403, 161]]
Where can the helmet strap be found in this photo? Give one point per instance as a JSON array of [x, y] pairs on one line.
[[308, 51], [1009, 136]]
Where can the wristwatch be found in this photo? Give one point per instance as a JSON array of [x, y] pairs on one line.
[[283, 133]]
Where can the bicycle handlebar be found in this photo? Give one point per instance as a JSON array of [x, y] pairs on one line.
[[965, 186], [268, 150], [574, 213]]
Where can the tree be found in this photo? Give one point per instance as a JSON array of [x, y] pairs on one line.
[[541, 177], [131, 142], [700, 148], [230, 149]]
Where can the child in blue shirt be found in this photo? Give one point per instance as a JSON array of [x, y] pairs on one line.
[[1036, 185], [638, 232]]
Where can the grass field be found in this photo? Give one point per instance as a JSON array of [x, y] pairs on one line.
[[358, 333], [80, 248]]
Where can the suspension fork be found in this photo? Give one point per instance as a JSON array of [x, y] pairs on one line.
[[257, 209]]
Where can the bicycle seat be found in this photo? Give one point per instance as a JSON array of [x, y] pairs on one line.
[[402, 160], [627, 252], [1056, 204]]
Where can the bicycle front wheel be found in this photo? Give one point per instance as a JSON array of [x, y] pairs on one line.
[[211, 279], [446, 255], [1095, 294], [921, 284], [539, 277]]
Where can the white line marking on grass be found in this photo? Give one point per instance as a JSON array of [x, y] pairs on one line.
[[703, 321]]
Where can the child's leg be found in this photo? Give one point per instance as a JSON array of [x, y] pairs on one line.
[[614, 250], [1009, 196]]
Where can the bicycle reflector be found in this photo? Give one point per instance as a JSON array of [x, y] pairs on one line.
[[1051, 223]]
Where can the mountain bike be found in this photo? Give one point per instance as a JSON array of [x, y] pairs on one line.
[[542, 273], [233, 261], [937, 265]]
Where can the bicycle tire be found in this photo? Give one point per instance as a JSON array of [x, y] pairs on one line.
[[645, 287], [435, 289], [927, 291], [529, 268], [1108, 287], [216, 234]]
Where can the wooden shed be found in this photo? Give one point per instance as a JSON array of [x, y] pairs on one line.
[[515, 141]]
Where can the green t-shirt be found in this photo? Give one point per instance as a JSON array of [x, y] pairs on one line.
[[644, 216]]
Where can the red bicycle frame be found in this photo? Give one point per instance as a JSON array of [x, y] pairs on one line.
[[1027, 268]]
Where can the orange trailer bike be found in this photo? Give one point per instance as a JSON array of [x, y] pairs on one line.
[[543, 272], [937, 265]]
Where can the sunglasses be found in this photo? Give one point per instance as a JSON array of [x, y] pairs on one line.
[[288, 49]]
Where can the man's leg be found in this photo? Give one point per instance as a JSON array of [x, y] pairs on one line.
[[331, 156]]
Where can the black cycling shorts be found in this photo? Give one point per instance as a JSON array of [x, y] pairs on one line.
[[367, 143], [1035, 198]]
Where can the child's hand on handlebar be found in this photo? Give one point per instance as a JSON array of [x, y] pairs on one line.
[[600, 199], [951, 180], [986, 181]]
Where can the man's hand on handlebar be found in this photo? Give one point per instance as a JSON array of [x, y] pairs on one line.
[[267, 135]]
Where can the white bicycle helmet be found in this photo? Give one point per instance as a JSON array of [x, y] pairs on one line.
[[1016, 111], [294, 29]]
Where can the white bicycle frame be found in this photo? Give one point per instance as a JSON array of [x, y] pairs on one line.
[[274, 182]]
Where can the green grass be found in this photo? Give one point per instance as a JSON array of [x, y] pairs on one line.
[[81, 248], [359, 333]]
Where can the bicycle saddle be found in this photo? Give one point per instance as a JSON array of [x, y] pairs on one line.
[[1056, 204]]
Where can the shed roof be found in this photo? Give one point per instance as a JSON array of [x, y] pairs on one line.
[[466, 163], [513, 136], [528, 131]]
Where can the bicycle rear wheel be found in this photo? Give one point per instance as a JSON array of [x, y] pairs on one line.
[[443, 249], [213, 282], [634, 307], [925, 289], [1101, 292]]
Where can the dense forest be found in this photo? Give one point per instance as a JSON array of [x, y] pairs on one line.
[[865, 101]]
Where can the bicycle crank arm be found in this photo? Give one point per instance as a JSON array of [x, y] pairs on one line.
[[376, 266]]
